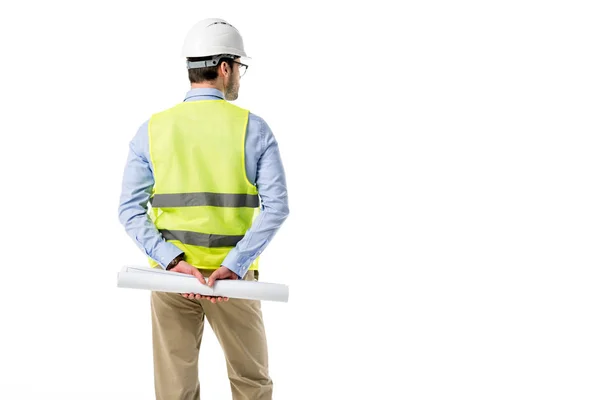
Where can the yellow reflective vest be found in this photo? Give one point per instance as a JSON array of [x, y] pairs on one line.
[[202, 201]]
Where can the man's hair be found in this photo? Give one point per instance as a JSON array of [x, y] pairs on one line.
[[198, 75]]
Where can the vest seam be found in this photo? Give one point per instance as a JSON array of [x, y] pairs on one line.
[[150, 153], [251, 186]]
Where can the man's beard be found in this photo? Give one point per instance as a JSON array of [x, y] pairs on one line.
[[231, 90]]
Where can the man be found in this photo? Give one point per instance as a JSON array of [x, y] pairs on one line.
[[203, 165]]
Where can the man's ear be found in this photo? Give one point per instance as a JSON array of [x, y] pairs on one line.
[[224, 68]]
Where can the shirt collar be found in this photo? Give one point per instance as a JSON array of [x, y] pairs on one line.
[[195, 94]]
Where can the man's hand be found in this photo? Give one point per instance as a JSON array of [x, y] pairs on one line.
[[221, 273], [186, 268]]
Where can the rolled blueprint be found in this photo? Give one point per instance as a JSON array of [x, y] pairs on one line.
[[159, 280]]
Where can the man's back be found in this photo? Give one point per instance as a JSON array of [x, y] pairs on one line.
[[202, 201], [263, 168]]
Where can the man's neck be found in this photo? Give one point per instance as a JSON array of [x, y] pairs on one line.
[[207, 86]]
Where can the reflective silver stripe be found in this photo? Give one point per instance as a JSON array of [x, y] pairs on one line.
[[201, 239], [204, 199]]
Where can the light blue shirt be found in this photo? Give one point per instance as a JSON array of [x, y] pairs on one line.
[[263, 168]]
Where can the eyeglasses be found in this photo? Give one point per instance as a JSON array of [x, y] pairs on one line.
[[243, 68]]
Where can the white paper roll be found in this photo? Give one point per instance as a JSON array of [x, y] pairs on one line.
[[133, 277]]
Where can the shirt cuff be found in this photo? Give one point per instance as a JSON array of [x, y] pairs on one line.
[[237, 263], [166, 253]]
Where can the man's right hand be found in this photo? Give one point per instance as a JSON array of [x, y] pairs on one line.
[[186, 268]]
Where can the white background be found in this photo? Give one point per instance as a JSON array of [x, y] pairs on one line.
[[442, 163]]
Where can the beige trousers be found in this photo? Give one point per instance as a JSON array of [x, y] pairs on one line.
[[177, 326]]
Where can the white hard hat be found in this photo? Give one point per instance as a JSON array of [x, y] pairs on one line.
[[211, 37]]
